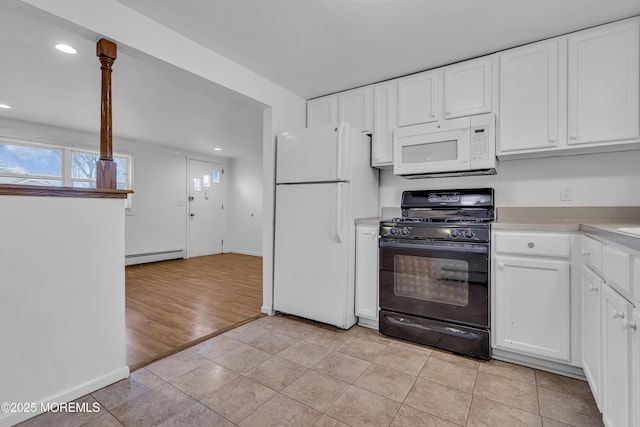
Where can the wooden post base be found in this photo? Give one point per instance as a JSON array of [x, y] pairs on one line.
[[106, 174]]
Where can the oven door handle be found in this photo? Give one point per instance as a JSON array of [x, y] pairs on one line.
[[473, 249]]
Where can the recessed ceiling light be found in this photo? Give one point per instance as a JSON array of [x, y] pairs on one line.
[[5, 106], [217, 149], [66, 48]]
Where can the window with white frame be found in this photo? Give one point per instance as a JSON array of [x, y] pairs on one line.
[[49, 165], [31, 164]]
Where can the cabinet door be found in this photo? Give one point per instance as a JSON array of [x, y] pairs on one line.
[[467, 88], [354, 107], [385, 119], [532, 306], [635, 366], [590, 322], [603, 84], [616, 358], [418, 98], [367, 271], [529, 98], [322, 111]]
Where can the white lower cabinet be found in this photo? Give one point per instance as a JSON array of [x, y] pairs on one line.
[[616, 359], [533, 306], [591, 336], [610, 330], [367, 274], [635, 366]]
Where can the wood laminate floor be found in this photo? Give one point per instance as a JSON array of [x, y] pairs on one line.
[[171, 304]]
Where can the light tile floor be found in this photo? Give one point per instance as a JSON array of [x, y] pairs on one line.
[[284, 371]]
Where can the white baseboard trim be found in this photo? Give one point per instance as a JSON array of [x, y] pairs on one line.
[[9, 419], [134, 259], [536, 363], [241, 252], [268, 310], [368, 323]]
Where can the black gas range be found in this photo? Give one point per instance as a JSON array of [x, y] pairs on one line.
[[434, 270]]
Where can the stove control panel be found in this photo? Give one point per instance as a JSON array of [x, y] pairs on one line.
[[434, 232]]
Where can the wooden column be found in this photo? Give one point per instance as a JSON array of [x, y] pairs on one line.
[[106, 167]]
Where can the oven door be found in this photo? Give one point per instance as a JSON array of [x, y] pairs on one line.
[[438, 280]]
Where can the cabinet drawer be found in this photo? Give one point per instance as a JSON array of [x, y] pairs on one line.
[[616, 268], [534, 244], [592, 253]]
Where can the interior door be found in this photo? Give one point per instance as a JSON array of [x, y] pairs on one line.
[[206, 208]]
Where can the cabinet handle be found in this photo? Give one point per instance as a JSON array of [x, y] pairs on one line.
[[433, 115], [628, 324], [531, 245], [371, 234], [593, 288], [448, 113], [501, 265], [574, 136], [585, 252], [617, 314]]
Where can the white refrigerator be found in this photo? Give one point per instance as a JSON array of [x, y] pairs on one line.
[[324, 181]]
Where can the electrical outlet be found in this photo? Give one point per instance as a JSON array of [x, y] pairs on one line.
[[566, 193]]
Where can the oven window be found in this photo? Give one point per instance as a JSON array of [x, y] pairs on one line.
[[432, 279]]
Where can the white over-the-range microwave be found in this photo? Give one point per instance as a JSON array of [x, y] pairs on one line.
[[457, 147]]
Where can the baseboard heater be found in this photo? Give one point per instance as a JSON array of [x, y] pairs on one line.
[[153, 257]]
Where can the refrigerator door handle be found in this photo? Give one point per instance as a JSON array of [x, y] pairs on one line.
[[339, 212], [339, 152]]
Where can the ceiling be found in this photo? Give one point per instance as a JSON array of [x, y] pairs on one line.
[[309, 47], [153, 102], [317, 47]]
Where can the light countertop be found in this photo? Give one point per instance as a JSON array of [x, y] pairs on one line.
[[604, 222]]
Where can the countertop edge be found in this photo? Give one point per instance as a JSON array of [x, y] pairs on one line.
[[610, 232]]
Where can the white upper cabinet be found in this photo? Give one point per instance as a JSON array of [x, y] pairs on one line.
[[322, 111], [418, 98], [467, 88], [354, 107], [458, 90], [530, 97], [603, 84], [571, 94], [385, 119]]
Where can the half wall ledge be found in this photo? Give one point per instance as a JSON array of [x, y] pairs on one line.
[[46, 191]]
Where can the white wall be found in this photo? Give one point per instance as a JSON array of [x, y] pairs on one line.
[[608, 179], [244, 197], [61, 299]]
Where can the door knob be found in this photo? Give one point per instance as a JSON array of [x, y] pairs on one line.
[[628, 324], [617, 314]]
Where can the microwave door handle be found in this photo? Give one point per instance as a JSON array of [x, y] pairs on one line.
[[474, 249]]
